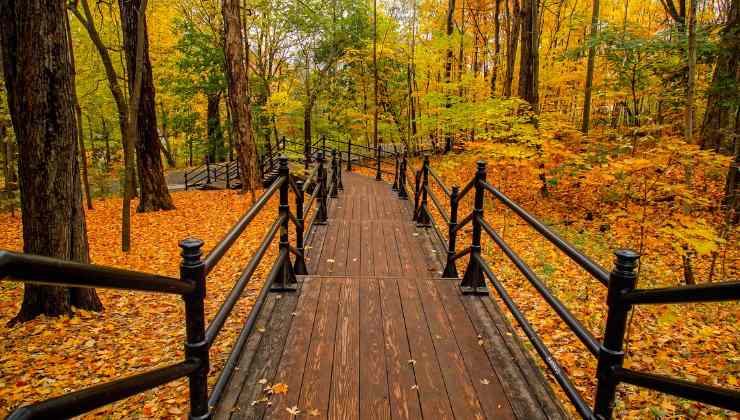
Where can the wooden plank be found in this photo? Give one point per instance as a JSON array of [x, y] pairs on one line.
[[374, 402], [317, 376], [355, 248], [433, 394], [403, 396], [460, 390], [379, 250], [539, 389], [345, 378], [325, 263], [339, 266], [491, 394], [367, 249], [313, 248], [293, 361], [392, 252], [233, 389], [407, 263]]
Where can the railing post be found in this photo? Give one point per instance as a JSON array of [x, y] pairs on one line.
[[340, 186], [451, 269], [192, 269], [186, 180], [285, 281], [333, 186], [395, 175], [423, 219], [417, 184], [473, 281], [402, 194], [321, 212], [299, 267], [378, 177], [621, 280], [208, 171], [349, 154]]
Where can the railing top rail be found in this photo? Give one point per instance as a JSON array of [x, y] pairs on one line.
[[441, 184], [579, 258], [46, 270], [710, 292], [228, 240]]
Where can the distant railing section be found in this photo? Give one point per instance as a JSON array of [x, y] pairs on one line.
[[211, 173], [620, 282], [192, 287]]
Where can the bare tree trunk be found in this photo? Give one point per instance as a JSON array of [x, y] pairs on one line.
[[375, 73], [132, 126], [236, 72], [514, 25], [85, 18], [590, 68], [215, 135], [497, 45], [529, 65], [448, 67], [40, 80], [689, 124], [718, 114], [153, 192]]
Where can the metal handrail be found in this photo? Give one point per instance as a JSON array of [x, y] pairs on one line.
[[218, 321], [441, 184], [557, 371], [579, 258], [573, 323], [46, 270], [233, 234]]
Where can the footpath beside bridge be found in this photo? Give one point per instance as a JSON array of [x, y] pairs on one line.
[[367, 317], [377, 334]]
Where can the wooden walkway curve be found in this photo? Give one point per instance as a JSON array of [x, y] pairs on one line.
[[375, 333]]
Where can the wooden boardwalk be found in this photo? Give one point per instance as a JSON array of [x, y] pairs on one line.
[[374, 333]]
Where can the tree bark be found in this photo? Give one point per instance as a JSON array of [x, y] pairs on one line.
[[448, 67], [153, 192], [497, 45], [725, 89], [691, 73], [513, 27], [215, 134], [590, 68], [375, 73], [80, 135], [529, 65], [40, 82], [236, 72]]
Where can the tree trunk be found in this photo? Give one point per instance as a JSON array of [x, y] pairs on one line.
[[529, 65], [731, 199], [236, 72], [514, 25], [497, 45], [375, 73], [215, 134], [723, 94], [80, 131], [448, 67], [40, 80], [167, 148], [691, 73], [153, 192], [590, 68]]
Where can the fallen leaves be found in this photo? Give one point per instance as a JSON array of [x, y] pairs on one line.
[[136, 332]]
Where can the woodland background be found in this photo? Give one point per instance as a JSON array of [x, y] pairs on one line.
[[614, 121]]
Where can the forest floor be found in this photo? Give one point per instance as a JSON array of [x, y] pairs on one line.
[[137, 331], [589, 203]]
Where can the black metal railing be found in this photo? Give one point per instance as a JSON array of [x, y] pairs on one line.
[[192, 287], [620, 282], [210, 173]]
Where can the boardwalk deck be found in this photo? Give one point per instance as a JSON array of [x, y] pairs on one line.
[[374, 333]]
